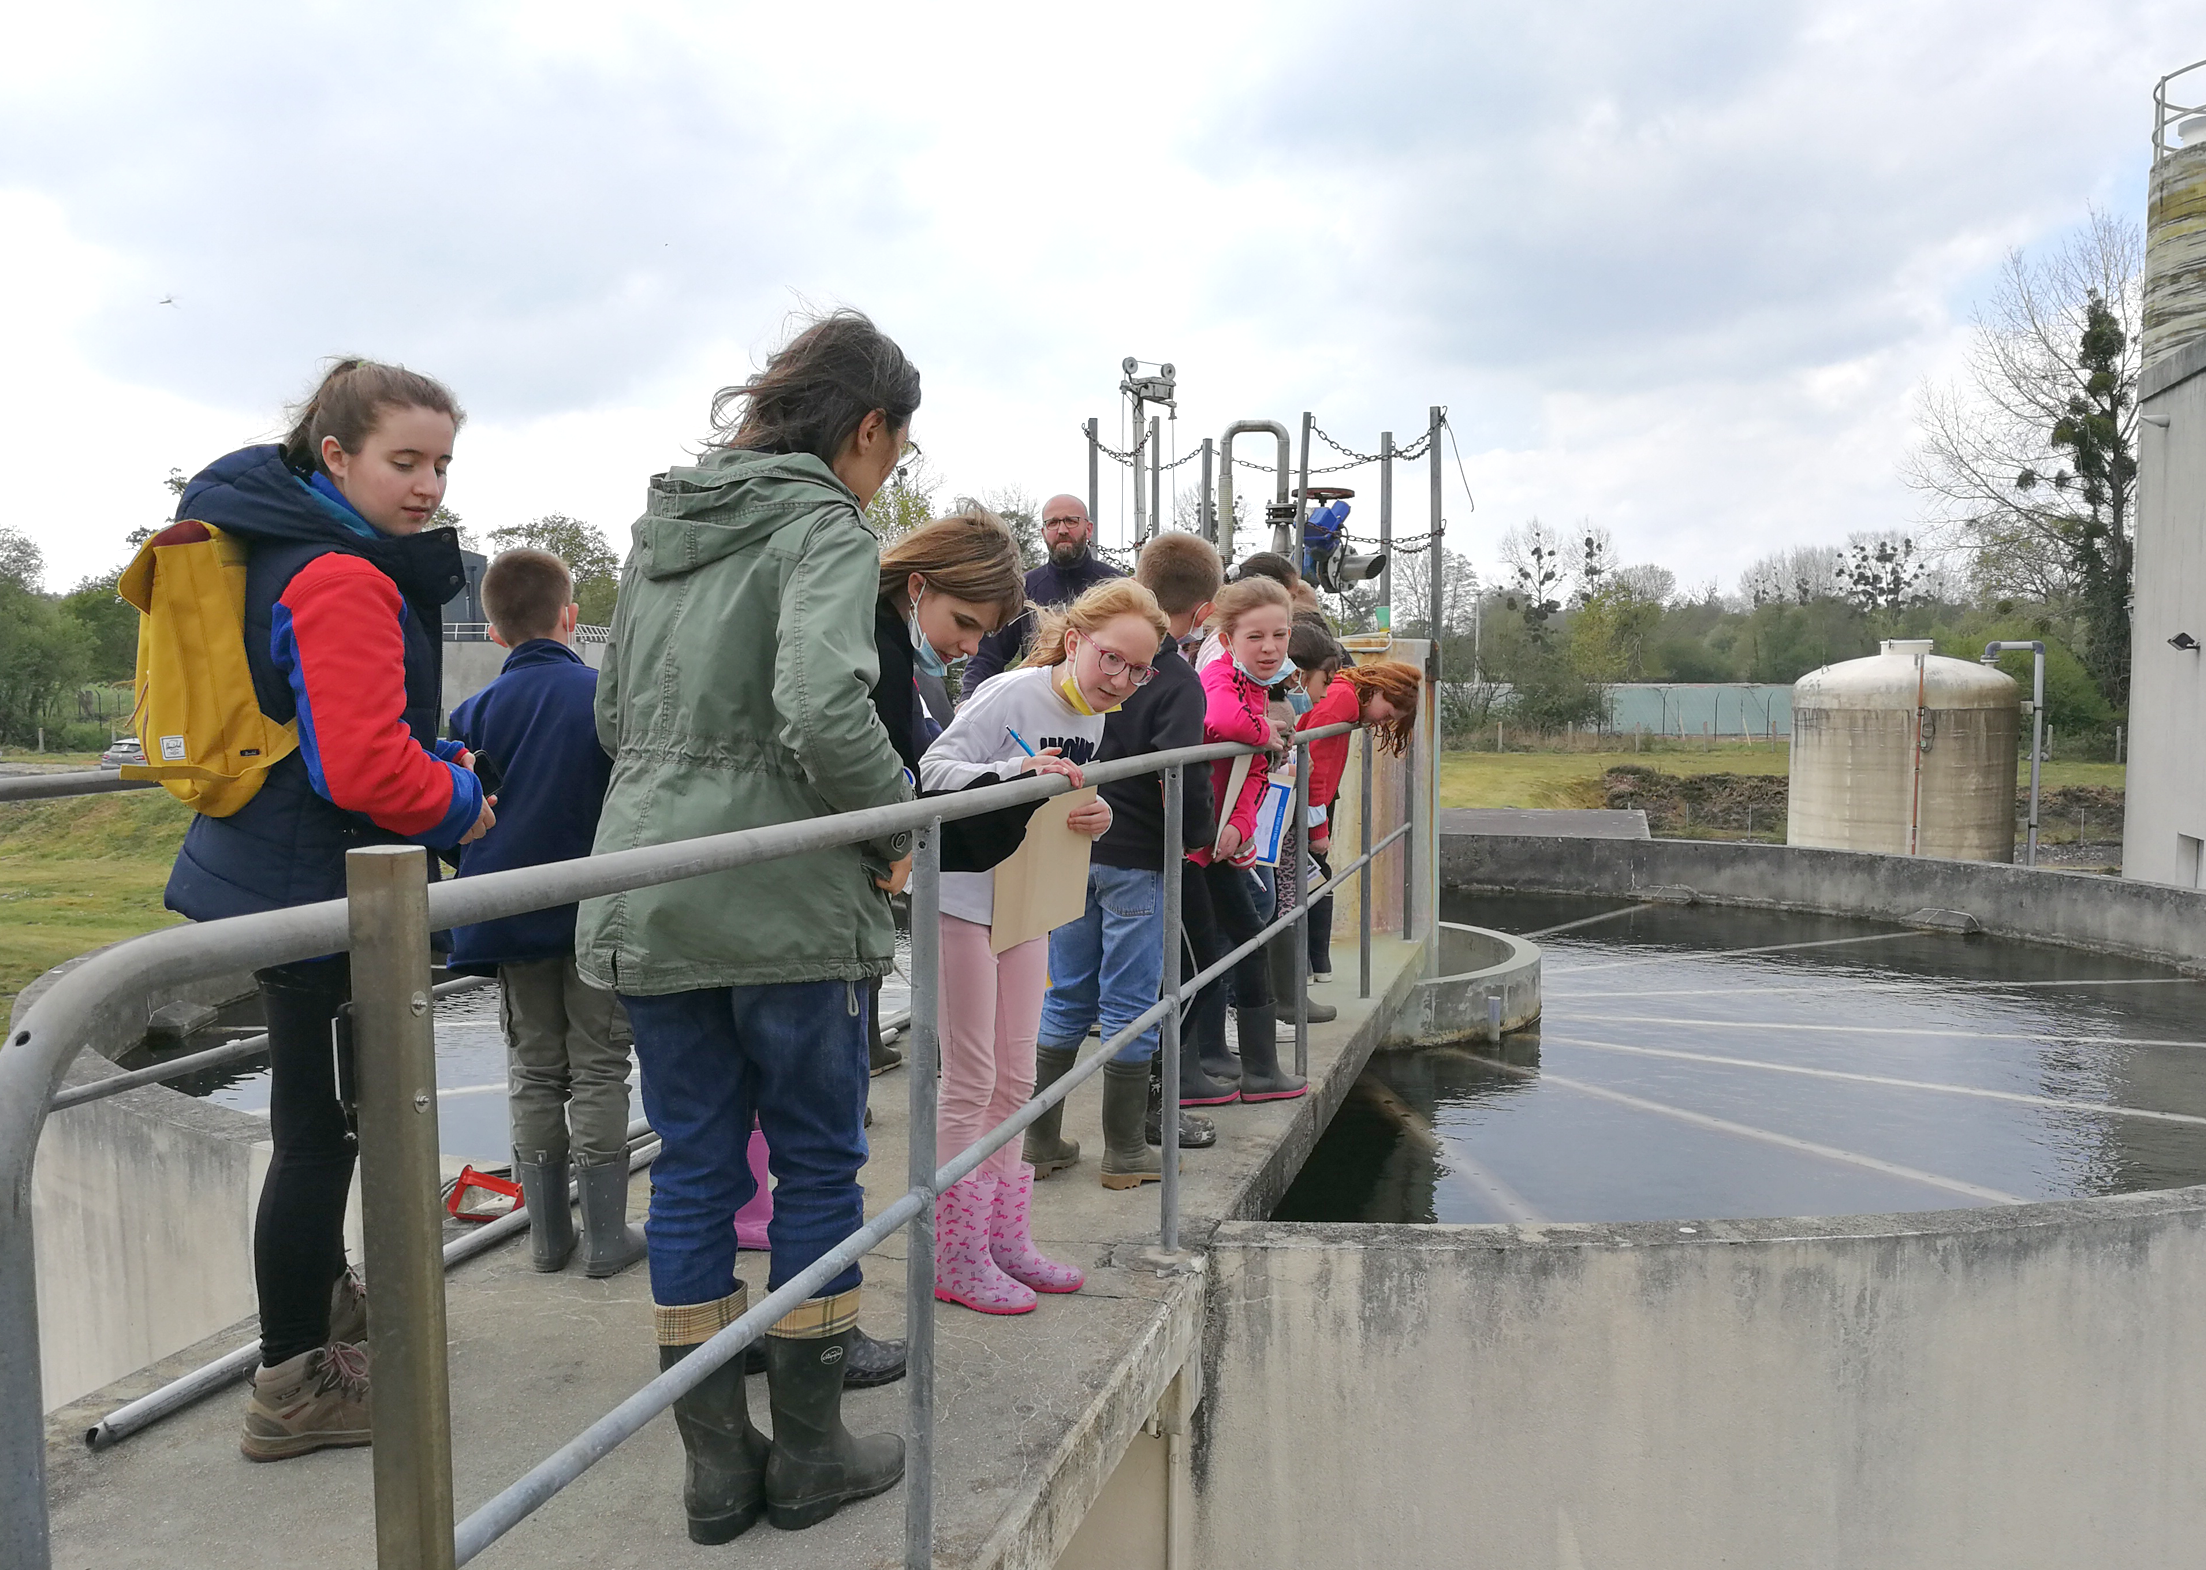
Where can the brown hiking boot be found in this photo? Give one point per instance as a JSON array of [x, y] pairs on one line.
[[317, 1400], [348, 1308]]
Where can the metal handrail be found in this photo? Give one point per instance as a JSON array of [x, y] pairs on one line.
[[36, 1054], [77, 782], [2165, 113]]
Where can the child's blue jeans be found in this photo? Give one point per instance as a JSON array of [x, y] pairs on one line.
[[795, 1054], [1107, 965]]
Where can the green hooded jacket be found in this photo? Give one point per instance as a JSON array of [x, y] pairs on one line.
[[736, 693]]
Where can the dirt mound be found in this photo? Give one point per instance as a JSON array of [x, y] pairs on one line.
[[1681, 805]]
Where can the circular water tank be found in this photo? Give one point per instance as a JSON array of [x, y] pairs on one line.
[[1906, 753], [2175, 244]]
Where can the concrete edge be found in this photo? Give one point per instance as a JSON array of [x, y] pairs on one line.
[[1040, 1524], [2167, 374]]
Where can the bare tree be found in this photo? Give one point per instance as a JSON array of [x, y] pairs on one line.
[[1648, 583], [1795, 576], [2027, 465]]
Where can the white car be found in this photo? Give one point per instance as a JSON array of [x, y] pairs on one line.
[[125, 749]]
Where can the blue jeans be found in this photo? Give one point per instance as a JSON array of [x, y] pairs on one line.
[[793, 1054], [1108, 964]]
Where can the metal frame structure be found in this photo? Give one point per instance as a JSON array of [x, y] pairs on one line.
[[2165, 113], [1222, 536], [384, 923], [1992, 651]]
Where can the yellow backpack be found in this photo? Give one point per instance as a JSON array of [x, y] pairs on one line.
[[206, 740]]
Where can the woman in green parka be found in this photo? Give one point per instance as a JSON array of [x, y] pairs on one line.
[[737, 693]]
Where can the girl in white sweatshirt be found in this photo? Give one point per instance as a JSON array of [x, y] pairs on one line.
[[1044, 717]]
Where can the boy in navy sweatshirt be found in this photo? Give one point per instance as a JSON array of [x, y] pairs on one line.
[[567, 1045], [1109, 965]]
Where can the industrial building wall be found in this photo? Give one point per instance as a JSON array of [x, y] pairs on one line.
[[2004, 1389], [2165, 832]]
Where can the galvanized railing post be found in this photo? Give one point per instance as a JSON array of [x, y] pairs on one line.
[[1409, 841], [923, 1066], [1168, 1028], [1363, 878], [1293, 855], [395, 1078]]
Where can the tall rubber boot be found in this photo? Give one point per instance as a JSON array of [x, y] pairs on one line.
[[1279, 956], [816, 1465], [1262, 1079], [1203, 1043], [880, 1056], [1128, 1162], [609, 1244], [1046, 1149], [1196, 1131], [542, 1175], [724, 1471], [1197, 1086]]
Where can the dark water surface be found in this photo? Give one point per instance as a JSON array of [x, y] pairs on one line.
[[1849, 1066]]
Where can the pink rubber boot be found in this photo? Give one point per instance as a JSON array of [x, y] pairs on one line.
[[963, 1271], [750, 1221], [1011, 1239]]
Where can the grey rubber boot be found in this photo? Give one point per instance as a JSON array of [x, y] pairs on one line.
[[1262, 1079], [1046, 1149], [609, 1244], [542, 1175], [724, 1475], [816, 1465], [1279, 956], [1128, 1162]]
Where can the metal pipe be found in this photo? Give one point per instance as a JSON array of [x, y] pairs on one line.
[[1278, 433], [1439, 561], [386, 888], [922, 1064], [215, 1057], [1992, 651], [77, 782], [1208, 512], [1139, 444], [1175, 862], [1386, 532], [1299, 805], [1156, 477], [134, 1416], [1409, 854], [1363, 880], [1302, 493], [1092, 491]]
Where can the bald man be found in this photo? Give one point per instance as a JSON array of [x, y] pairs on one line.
[[1069, 573]]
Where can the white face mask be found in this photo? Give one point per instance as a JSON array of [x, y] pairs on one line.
[[924, 657]]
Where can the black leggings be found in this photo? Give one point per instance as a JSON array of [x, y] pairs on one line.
[[1218, 905], [299, 1233]]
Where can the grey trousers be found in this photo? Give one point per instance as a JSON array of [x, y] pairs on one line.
[[567, 1059]]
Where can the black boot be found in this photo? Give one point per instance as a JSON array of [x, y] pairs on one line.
[[609, 1244], [1127, 1161], [869, 1362], [1262, 1079], [880, 1056], [1197, 1087], [724, 1479], [816, 1465], [542, 1175], [1196, 1132], [1279, 955], [1046, 1149], [1204, 1044]]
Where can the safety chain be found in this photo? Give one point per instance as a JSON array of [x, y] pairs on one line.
[[1133, 459], [1415, 449]]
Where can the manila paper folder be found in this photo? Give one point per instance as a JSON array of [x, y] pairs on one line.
[[1044, 883]]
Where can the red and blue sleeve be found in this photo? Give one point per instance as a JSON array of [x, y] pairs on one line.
[[339, 637], [1341, 705]]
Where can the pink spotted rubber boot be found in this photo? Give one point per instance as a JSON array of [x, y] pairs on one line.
[[750, 1221], [1011, 1239], [963, 1271]]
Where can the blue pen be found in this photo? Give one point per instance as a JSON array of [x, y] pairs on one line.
[[1021, 740]]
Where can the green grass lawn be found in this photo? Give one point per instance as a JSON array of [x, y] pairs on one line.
[[75, 760], [1573, 779], [79, 873]]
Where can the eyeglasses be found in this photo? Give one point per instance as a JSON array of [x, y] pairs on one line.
[[1065, 523], [1113, 664]]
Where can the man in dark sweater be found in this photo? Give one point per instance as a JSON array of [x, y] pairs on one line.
[[1070, 572], [566, 1042], [1109, 964]]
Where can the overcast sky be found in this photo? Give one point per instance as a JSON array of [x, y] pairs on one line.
[[1676, 269]]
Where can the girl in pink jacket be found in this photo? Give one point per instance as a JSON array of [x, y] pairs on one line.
[[1253, 620]]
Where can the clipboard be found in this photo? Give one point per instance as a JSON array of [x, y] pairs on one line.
[[1044, 883], [1272, 815]]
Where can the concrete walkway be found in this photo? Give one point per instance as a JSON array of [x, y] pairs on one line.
[[1033, 1412]]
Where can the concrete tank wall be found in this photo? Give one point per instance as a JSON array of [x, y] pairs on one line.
[[2164, 830], [1906, 753], [2175, 252], [1976, 1390]]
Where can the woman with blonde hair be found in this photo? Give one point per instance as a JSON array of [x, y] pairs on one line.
[[1045, 717]]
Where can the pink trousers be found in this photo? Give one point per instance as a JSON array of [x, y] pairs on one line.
[[991, 1013]]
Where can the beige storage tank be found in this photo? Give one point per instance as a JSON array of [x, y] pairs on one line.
[[2175, 217], [1906, 753]]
